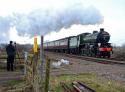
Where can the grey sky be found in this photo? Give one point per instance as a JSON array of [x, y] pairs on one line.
[[21, 19]]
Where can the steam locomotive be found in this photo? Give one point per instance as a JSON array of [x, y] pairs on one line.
[[90, 44]]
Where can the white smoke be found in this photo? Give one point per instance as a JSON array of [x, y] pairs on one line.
[[42, 21]]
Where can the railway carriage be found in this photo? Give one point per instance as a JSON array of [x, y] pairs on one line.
[[50, 46], [73, 45], [63, 45]]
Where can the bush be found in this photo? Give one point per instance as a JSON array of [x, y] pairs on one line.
[[119, 53]]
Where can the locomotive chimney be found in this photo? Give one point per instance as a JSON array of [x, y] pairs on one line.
[[95, 32], [101, 29]]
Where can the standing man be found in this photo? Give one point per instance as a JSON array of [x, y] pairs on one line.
[[10, 56]]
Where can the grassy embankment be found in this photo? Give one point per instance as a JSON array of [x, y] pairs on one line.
[[92, 80], [17, 86]]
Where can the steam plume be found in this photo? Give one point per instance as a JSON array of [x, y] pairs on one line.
[[42, 21]]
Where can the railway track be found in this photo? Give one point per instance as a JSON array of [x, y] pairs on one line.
[[99, 60], [93, 59], [65, 87], [77, 87], [80, 87]]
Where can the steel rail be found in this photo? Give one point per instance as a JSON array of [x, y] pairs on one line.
[[93, 59], [80, 87], [65, 87]]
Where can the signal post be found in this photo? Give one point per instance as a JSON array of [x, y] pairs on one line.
[[35, 64]]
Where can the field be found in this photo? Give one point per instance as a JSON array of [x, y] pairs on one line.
[[92, 80]]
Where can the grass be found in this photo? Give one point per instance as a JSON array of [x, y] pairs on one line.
[[12, 83], [2, 67], [92, 80], [18, 86], [18, 67]]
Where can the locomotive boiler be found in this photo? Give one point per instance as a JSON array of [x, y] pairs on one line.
[[97, 37]]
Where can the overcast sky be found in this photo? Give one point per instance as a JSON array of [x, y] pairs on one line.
[[20, 20]]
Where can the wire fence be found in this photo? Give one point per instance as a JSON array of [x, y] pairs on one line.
[[37, 74]]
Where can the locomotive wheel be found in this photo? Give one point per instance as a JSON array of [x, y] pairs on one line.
[[100, 54], [109, 55], [103, 54]]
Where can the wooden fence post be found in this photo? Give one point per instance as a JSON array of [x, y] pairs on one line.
[[36, 68], [42, 62], [47, 74], [25, 61], [35, 75], [35, 65]]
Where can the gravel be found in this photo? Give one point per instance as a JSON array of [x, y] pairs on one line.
[[76, 66]]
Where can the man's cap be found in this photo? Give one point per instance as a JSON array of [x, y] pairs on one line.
[[11, 42]]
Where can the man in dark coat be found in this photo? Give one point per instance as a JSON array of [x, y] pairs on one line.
[[10, 56]]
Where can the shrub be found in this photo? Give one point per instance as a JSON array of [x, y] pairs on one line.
[[119, 53]]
